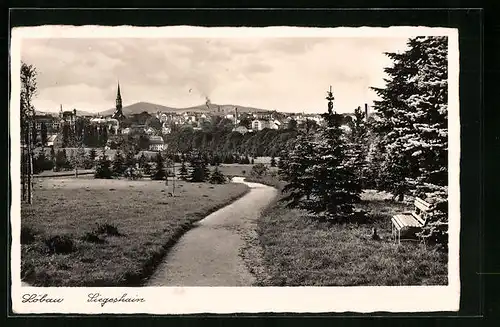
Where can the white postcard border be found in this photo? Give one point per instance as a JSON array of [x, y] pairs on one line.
[[188, 300]]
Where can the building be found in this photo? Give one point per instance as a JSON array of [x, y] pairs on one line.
[[111, 124], [51, 122], [118, 114], [260, 124], [55, 141], [156, 143], [241, 129]]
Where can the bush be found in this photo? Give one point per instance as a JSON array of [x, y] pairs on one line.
[[103, 169], [259, 169], [60, 244], [27, 235], [42, 163], [107, 229], [217, 177], [92, 238], [132, 173]]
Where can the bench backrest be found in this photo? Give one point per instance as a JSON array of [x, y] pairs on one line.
[[421, 211]]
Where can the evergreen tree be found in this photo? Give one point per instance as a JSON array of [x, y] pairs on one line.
[[159, 173], [199, 170], [142, 160], [61, 160], [43, 134], [357, 149], [130, 159], [118, 164], [413, 115], [183, 172], [91, 158], [298, 172], [337, 188], [53, 156], [413, 127], [217, 177], [103, 168], [273, 161]]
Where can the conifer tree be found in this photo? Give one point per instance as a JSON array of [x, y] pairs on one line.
[[91, 158], [413, 115], [273, 161], [159, 173], [53, 156], [357, 149], [118, 164], [336, 188], [103, 168], [217, 177], [298, 172], [413, 127], [183, 171], [130, 159]]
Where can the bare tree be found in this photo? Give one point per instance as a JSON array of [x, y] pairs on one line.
[[28, 91]]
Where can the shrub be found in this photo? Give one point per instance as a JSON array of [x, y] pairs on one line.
[[132, 173], [103, 169], [60, 244], [92, 238], [217, 177], [27, 235], [107, 229], [259, 169]]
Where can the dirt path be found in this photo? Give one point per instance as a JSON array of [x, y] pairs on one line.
[[208, 255]]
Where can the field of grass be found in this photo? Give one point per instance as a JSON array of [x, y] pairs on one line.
[[301, 251], [238, 169], [86, 251]]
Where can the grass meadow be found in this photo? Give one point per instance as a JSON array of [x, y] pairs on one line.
[[90, 232], [301, 251]]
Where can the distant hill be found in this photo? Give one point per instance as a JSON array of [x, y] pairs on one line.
[[56, 113], [152, 108], [139, 107]]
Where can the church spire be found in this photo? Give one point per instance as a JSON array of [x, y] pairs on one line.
[[118, 114], [118, 97]]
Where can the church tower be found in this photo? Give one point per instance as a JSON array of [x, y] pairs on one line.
[[118, 114]]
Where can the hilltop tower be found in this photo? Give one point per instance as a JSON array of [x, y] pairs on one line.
[[118, 114]]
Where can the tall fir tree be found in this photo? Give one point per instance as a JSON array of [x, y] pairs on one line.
[[297, 171], [159, 173], [337, 187], [118, 164], [413, 116], [413, 127]]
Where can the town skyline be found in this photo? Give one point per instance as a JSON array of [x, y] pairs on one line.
[[263, 73]]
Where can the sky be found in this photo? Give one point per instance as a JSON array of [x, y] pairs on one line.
[[284, 74]]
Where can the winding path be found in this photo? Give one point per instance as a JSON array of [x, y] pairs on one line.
[[208, 254]]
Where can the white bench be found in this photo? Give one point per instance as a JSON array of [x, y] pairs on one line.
[[409, 223]]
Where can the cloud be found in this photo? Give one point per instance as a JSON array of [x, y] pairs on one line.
[[289, 74]]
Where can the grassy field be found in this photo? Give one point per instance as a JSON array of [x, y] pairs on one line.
[[88, 232], [238, 169], [301, 251]]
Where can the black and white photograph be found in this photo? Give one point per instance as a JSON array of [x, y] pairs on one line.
[[189, 169]]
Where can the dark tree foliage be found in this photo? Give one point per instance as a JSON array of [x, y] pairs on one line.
[[103, 168], [118, 164], [217, 177], [183, 172], [43, 133], [159, 172]]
